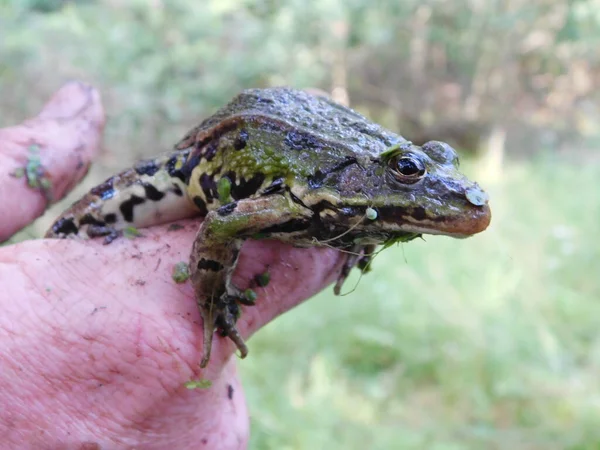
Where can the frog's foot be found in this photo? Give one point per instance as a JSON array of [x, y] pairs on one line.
[[359, 256], [242, 297], [351, 260], [109, 233], [364, 262], [222, 314]]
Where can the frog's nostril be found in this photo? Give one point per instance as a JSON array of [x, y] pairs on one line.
[[476, 196]]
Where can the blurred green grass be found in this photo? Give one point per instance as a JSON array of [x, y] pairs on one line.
[[490, 342]]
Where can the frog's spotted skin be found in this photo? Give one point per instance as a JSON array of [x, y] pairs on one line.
[[152, 192], [287, 165]]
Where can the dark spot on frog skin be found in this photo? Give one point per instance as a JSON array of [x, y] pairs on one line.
[[210, 150], [182, 174], [209, 187], [267, 101], [146, 168], [287, 227], [152, 193], [270, 127], [398, 212], [298, 140], [323, 205], [201, 205], [110, 218], [229, 392], [210, 264], [275, 186], [316, 181], [295, 198], [227, 209], [241, 141], [245, 189], [350, 211], [177, 190], [88, 219], [105, 190], [231, 175], [186, 170], [128, 205], [419, 213], [65, 226]]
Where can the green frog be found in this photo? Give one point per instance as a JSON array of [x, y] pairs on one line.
[[283, 164]]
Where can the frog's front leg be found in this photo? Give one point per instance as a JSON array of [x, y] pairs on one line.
[[359, 256], [215, 252]]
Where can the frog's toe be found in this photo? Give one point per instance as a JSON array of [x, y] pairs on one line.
[[235, 295], [225, 322], [109, 233], [222, 315], [234, 292], [208, 324]]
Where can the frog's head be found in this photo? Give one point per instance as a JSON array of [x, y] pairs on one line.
[[410, 190]]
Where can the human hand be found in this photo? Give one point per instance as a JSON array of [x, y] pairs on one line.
[[98, 341]]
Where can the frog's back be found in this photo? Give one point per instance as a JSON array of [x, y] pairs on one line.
[[283, 109], [267, 139]]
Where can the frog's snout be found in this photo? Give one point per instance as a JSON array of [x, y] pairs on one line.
[[481, 214]]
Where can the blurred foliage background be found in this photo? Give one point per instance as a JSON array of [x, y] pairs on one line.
[[492, 342]]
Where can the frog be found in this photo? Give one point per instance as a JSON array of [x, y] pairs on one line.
[[284, 164]]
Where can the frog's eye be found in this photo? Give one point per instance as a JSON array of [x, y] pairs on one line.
[[407, 169]]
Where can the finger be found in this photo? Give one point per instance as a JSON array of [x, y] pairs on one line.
[[143, 268], [113, 317], [57, 146]]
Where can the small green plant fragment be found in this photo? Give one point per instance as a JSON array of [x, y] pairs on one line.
[[35, 173], [131, 233], [407, 237], [371, 214], [395, 150], [224, 190], [250, 295], [175, 227], [181, 272], [198, 384], [263, 279], [19, 173]]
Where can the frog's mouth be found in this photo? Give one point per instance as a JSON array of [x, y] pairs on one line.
[[464, 224]]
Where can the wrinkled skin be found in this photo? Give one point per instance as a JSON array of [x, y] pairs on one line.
[[97, 341]]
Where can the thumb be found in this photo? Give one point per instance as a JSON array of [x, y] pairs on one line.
[[44, 157]]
